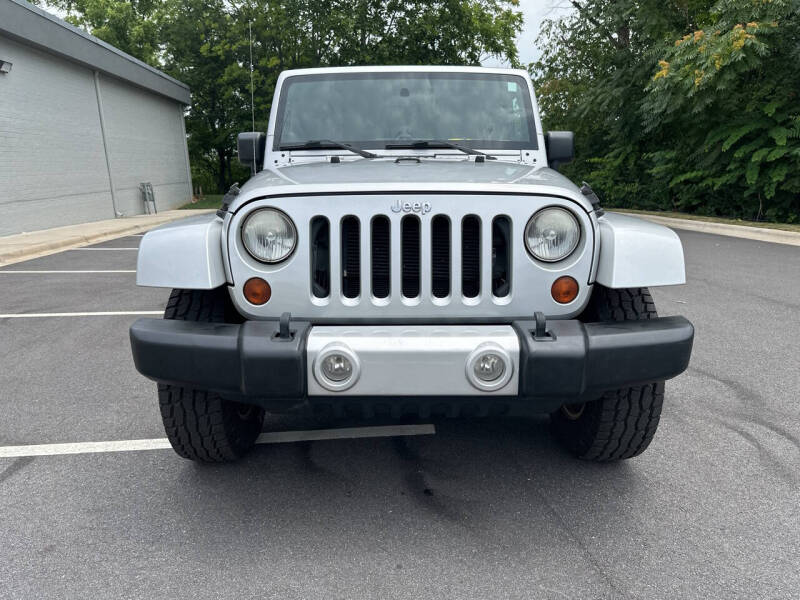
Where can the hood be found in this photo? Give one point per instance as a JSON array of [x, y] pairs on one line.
[[428, 175]]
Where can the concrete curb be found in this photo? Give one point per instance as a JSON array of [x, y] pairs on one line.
[[25, 246], [762, 234]]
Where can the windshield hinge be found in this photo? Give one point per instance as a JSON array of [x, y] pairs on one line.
[[229, 196], [587, 191]]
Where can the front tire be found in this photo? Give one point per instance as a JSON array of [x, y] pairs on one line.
[[621, 423], [200, 424]]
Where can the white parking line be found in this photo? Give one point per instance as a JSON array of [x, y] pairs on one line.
[[273, 437], [82, 448], [82, 314], [101, 249], [52, 272]]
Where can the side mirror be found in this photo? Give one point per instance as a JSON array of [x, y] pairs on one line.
[[250, 145], [560, 147]]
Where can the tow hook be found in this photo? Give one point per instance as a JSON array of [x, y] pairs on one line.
[[540, 333], [285, 334]]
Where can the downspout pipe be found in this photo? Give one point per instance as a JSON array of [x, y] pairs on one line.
[[117, 213]]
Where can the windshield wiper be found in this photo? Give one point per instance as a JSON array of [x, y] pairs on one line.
[[438, 144], [322, 144]]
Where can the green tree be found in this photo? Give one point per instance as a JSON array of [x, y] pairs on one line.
[[429, 32], [688, 105], [591, 78], [130, 25], [201, 46], [737, 76]]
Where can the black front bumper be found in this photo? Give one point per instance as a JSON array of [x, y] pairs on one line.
[[252, 362]]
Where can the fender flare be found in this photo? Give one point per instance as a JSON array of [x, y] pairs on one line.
[[185, 254], [638, 253]]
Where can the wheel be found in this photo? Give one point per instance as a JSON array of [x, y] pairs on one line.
[[621, 423], [200, 424]]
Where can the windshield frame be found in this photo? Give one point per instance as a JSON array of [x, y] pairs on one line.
[[485, 145]]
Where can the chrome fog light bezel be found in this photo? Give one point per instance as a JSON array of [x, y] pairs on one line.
[[324, 380], [476, 355]]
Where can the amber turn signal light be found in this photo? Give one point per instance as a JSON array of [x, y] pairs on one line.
[[564, 290], [257, 291]]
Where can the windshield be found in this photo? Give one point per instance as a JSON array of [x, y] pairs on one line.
[[373, 110]]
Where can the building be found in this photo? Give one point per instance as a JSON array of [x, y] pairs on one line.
[[82, 124]]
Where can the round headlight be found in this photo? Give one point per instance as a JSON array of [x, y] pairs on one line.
[[552, 234], [269, 235]]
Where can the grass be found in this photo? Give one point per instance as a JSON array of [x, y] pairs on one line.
[[678, 215], [209, 201]]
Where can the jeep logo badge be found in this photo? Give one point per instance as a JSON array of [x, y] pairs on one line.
[[422, 208]]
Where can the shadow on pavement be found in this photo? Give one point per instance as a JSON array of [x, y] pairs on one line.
[[471, 474]]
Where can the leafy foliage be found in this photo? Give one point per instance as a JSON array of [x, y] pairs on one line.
[[130, 25], [205, 43], [689, 105]]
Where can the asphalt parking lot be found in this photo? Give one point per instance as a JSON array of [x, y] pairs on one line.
[[481, 509]]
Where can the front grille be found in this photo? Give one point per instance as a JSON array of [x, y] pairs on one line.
[[417, 255]]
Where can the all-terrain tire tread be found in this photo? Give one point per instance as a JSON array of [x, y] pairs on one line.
[[621, 423], [200, 425]]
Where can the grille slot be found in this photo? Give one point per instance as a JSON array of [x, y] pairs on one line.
[[381, 256], [501, 256], [471, 256], [440, 256], [320, 257], [410, 250], [351, 257]]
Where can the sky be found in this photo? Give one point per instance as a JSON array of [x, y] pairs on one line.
[[534, 12]]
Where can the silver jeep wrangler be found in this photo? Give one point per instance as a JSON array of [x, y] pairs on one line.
[[405, 247]]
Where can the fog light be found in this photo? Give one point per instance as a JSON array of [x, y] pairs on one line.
[[489, 367], [336, 367]]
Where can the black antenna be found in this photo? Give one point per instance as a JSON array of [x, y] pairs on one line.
[[252, 95]]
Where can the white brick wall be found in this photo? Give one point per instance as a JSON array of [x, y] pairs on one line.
[[145, 143], [52, 164]]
